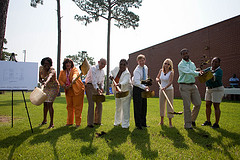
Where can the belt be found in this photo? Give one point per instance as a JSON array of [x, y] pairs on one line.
[[212, 87], [187, 83]]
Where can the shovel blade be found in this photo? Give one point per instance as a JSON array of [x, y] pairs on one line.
[[122, 94], [148, 94], [98, 98], [176, 113]]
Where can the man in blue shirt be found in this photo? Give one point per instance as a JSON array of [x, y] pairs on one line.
[[234, 81], [188, 89], [214, 92]]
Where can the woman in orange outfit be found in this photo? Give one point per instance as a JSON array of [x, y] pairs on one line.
[[74, 93]]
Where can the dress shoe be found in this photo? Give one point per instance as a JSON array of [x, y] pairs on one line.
[[90, 126], [191, 128], [139, 127], [193, 124], [98, 124], [206, 123], [77, 126]]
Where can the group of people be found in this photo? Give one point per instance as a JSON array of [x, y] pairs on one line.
[[133, 87]]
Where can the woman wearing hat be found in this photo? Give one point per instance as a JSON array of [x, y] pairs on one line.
[[74, 91], [47, 76]]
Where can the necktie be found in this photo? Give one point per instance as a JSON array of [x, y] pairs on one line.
[[144, 74]]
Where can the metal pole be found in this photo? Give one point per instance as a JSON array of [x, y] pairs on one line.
[[27, 111], [24, 54], [12, 108]]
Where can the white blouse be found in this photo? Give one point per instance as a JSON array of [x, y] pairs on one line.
[[165, 80]]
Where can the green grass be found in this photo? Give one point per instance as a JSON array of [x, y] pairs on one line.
[[155, 142]]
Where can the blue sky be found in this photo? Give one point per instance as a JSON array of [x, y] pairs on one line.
[[35, 29]]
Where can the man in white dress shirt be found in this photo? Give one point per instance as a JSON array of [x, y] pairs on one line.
[[95, 85], [140, 104]]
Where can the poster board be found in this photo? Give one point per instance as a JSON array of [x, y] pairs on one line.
[[18, 75]]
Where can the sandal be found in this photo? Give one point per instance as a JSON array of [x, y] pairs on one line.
[[43, 123], [51, 126]]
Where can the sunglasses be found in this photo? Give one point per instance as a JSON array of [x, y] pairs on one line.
[[166, 63]]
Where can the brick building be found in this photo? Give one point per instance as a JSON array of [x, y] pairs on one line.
[[221, 40]]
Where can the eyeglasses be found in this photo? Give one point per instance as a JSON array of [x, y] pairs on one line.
[[166, 63]]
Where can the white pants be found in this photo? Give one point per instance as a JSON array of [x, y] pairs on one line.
[[122, 114]]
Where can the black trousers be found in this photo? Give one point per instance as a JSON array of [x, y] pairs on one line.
[[140, 107]]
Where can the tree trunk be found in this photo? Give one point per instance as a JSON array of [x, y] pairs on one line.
[[59, 42], [3, 18], [59, 39], [108, 45]]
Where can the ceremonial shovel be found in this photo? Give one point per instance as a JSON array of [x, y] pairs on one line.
[[147, 94], [98, 98], [120, 94], [169, 101]]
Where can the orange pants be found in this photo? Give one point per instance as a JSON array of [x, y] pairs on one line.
[[74, 105]]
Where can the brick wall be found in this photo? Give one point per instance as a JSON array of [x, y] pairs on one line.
[[221, 40]]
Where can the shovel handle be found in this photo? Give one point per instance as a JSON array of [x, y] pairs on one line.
[[75, 79], [166, 96], [115, 84]]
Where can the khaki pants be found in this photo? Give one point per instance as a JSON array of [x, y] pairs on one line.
[[91, 118], [163, 100], [190, 94]]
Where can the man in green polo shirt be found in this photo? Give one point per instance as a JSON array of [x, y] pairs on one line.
[[214, 92], [188, 89]]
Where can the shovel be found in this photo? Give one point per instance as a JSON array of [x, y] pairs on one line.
[[120, 94], [98, 98], [169, 101], [147, 94]]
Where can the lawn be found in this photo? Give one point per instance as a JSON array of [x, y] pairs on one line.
[[155, 142]]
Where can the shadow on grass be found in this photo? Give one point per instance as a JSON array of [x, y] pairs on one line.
[[87, 135], [204, 139], [142, 142], [235, 140], [201, 137], [52, 137], [16, 141], [174, 134], [115, 137]]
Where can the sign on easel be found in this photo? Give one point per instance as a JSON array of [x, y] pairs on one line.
[[18, 75]]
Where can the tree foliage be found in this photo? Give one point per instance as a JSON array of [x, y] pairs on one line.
[[6, 55], [3, 18], [79, 58], [119, 10], [35, 2], [108, 10]]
